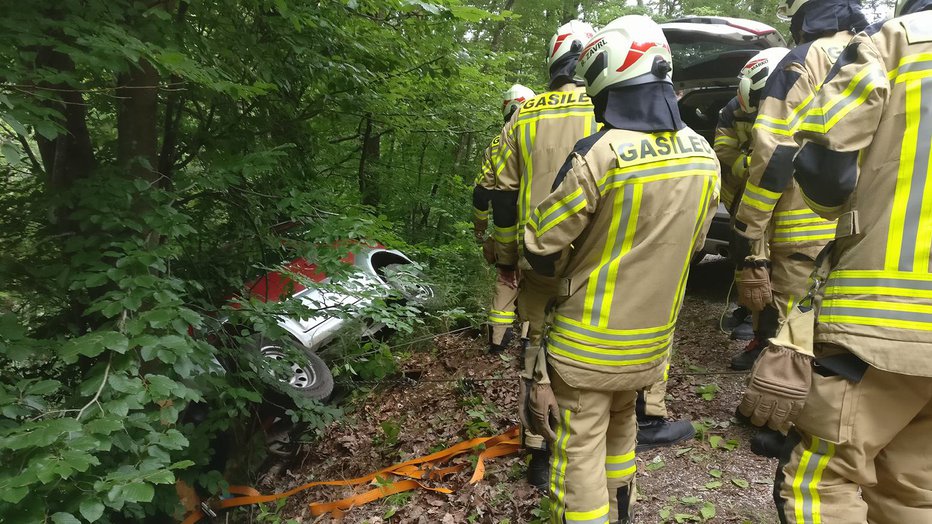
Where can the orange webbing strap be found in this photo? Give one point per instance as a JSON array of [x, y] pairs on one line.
[[496, 446]]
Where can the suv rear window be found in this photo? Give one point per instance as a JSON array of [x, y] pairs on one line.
[[689, 54]]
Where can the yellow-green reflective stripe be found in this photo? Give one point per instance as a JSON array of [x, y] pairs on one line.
[[725, 140], [566, 112], [502, 317], [479, 213], [815, 206], [910, 65], [595, 516], [710, 186], [608, 296], [620, 466], [812, 464], [558, 468], [822, 119], [505, 234], [526, 136], [595, 287], [612, 344], [607, 336], [873, 282], [606, 357], [908, 245], [790, 121], [565, 207], [653, 171]]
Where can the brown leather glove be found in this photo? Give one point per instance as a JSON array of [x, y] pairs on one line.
[[488, 250], [753, 283], [543, 411], [779, 384], [524, 399]]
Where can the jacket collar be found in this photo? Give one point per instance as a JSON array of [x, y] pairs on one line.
[[820, 17]]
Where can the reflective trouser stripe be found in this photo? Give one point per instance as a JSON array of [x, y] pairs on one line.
[[595, 516], [502, 317], [558, 462], [812, 463], [723, 140], [506, 234], [908, 241], [620, 466], [480, 214]]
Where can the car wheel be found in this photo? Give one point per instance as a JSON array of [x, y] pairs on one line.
[[298, 369], [408, 281]]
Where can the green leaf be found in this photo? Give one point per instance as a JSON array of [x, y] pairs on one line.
[[715, 441], [44, 387], [715, 484], [65, 518], [656, 464], [707, 511], [741, 483], [93, 344], [717, 473], [136, 492], [91, 509], [690, 500], [682, 451]]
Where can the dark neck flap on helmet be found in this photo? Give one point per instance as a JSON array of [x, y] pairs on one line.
[[818, 18], [563, 71], [917, 5], [646, 107]]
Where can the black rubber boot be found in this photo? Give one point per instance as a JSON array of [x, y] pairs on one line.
[[743, 331], [739, 315], [495, 349], [538, 469], [768, 443], [655, 432], [745, 360]]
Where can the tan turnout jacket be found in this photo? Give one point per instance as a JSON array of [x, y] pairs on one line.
[[868, 135], [772, 206], [536, 142], [627, 216], [733, 147], [493, 160]]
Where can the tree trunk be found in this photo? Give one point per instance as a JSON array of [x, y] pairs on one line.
[[69, 156], [371, 146], [137, 121]]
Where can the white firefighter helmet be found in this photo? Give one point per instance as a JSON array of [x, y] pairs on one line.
[[754, 75], [569, 39], [631, 50], [514, 97], [788, 8]]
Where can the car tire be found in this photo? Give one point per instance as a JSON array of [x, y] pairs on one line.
[[409, 282], [310, 377]]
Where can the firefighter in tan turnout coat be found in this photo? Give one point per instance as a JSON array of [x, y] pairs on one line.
[[502, 311], [630, 206], [864, 159]]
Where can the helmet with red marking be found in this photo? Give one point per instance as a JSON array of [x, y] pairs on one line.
[[631, 50], [754, 75], [514, 98], [569, 39]]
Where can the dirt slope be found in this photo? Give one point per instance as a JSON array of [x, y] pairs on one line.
[[712, 479]]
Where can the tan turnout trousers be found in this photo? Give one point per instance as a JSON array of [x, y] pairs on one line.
[[596, 436], [502, 314], [856, 435]]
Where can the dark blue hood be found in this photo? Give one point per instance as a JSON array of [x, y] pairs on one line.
[[818, 18], [563, 71], [647, 108]]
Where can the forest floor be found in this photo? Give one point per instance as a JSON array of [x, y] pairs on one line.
[[714, 478]]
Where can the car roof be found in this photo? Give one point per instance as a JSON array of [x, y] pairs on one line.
[[720, 25]]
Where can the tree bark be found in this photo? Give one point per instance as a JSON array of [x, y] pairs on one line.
[[137, 121], [371, 146]]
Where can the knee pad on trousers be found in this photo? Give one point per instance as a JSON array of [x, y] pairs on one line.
[[640, 406], [792, 439], [768, 323], [623, 496]]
